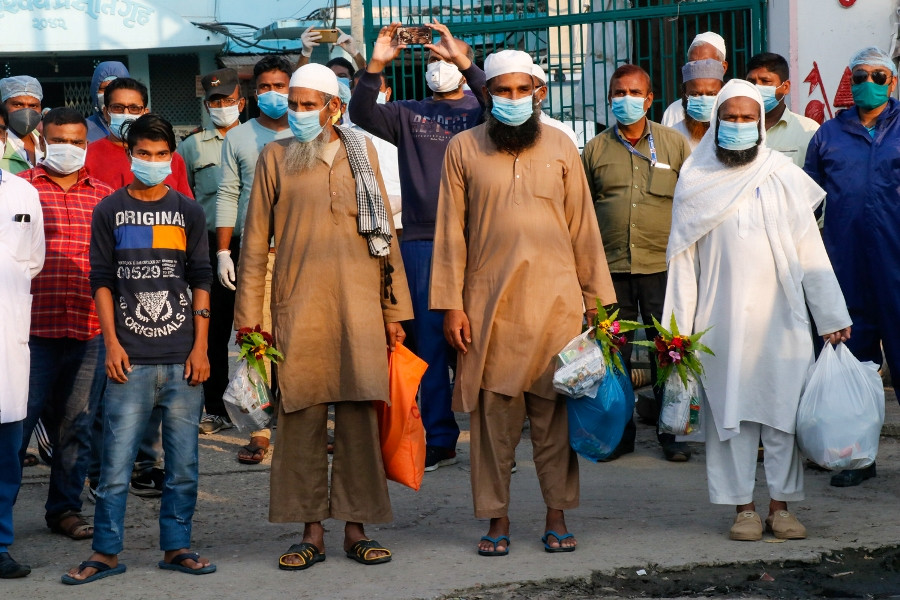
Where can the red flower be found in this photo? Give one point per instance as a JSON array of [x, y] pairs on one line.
[[677, 342], [270, 341], [660, 344]]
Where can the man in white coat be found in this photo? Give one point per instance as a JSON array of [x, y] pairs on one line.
[[736, 199], [21, 258]]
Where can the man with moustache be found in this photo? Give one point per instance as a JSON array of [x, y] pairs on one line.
[[517, 258], [331, 314], [737, 198], [702, 81]]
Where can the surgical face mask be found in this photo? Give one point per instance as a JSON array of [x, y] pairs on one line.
[[151, 173], [225, 116], [866, 95], [24, 120], [442, 76], [273, 104], [64, 158], [345, 81], [512, 112], [305, 125], [117, 123], [628, 109], [382, 98], [700, 108], [100, 100], [770, 101], [738, 136]]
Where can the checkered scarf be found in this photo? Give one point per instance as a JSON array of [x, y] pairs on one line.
[[372, 220]]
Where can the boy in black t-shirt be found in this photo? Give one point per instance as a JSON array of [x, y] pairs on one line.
[[150, 276]]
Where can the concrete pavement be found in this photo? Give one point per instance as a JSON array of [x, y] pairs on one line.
[[635, 512]]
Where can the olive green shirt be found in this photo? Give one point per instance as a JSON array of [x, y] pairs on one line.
[[202, 154], [633, 200]]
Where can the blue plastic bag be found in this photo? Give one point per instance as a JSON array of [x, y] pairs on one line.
[[596, 423]]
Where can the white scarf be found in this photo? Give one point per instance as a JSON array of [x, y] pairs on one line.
[[708, 192]]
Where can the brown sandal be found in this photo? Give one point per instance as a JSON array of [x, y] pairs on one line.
[[254, 452], [72, 524]]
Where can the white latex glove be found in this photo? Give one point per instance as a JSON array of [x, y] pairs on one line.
[[227, 275], [309, 39], [347, 42]]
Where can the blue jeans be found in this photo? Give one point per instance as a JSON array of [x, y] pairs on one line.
[[10, 478], [66, 382], [127, 408], [429, 343]]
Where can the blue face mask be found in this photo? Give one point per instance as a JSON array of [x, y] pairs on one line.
[[738, 136], [770, 101], [345, 81], [512, 112], [150, 173], [273, 104], [305, 125], [628, 109], [117, 121], [700, 108], [868, 94]]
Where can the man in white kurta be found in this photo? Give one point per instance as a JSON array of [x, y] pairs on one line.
[[745, 259], [21, 258]]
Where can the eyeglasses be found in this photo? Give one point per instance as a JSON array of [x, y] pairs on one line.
[[878, 77], [222, 102], [133, 109]]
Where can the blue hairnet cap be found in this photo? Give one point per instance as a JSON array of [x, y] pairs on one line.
[[20, 85], [874, 57]]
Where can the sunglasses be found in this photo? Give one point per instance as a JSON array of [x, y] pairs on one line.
[[878, 77]]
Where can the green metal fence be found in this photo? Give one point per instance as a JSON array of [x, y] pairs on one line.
[[579, 44]]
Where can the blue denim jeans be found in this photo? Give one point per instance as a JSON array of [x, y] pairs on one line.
[[427, 340], [127, 408], [66, 382], [10, 478]]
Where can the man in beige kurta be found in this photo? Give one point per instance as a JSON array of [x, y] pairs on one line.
[[517, 258], [334, 302]]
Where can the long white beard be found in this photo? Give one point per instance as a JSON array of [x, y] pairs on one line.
[[302, 156]]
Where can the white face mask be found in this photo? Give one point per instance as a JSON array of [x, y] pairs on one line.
[[100, 100], [442, 76], [382, 98], [225, 116], [64, 159]]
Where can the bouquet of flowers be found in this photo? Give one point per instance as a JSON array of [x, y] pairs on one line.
[[610, 334], [677, 360], [248, 398]]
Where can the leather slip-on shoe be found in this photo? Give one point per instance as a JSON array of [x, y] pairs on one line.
[[785, 526], [747, 527]]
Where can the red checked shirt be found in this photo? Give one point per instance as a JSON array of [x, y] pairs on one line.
[[62, 304]]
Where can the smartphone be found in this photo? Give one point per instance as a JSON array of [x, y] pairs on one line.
[[414, 36], [329, 36]]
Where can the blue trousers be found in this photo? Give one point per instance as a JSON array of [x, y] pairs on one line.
[[150, 389], [429, 344], [10, 478], [66, 382]]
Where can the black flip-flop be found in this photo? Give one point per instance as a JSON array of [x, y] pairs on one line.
[[308, 552], [359, 552], [103, 570], [559, 539], [177, 564]]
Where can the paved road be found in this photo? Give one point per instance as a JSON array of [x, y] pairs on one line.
[[637, 511]]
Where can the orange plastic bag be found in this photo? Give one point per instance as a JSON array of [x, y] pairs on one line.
[[400, 424]]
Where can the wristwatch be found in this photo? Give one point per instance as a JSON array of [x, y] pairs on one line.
[[203, 312]]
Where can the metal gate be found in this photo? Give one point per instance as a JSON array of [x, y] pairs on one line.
[[579, 43]]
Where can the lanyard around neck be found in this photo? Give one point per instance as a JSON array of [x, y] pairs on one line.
[[634, 151]]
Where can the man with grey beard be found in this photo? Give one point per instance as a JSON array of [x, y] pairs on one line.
[[338, 290], [517, 258]]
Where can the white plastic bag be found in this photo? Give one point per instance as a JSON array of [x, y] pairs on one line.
[[582, 367], [680, 412], [248, 399], [841, 411]]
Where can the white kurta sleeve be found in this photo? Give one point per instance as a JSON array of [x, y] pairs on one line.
[[681, 290], [820, 285]]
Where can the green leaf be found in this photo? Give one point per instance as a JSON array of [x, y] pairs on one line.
[[674, 326]]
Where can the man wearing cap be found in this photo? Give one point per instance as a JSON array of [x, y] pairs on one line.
[[421, 130], [632, 169], [21, 95], [854, 157], [541, 92], [786, 132], [105, 72], [202, 153], [332, 313], [702, 81], [737, 198], [517, 258], [706, 45]]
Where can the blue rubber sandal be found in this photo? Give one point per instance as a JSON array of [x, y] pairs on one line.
[[176, 564], [103, 570], [559, 538], [495, 541]]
